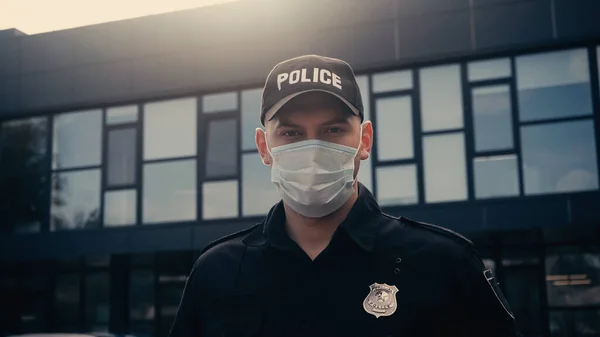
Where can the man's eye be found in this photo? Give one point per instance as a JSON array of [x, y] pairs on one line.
[[290, 133], [334, 130]]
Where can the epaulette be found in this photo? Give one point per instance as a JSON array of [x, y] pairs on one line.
[[228, 237], [441, 230]]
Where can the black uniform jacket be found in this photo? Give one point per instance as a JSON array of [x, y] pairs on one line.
[[379, 276]]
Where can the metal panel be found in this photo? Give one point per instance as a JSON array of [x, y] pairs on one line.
[[161, 239], [513, 23], [46, 89], [545, 212], [109, 81], [47, 51], [418, 7], [103, 43], [584, 209], [9, 94], [423, 37], [577, 18], [9, 55]]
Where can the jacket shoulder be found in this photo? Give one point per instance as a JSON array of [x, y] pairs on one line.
[[438, 230], [231, 238]]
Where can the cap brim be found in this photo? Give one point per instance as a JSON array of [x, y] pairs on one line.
[[275, 108]]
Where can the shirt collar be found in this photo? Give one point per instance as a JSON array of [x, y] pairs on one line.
[[360, 224]]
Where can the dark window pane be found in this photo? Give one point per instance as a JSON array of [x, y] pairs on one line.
[[77, 137], [66, 301], [250, 111], [22, 174], [221, 149], [170, 297], [496, 176], [141, 295], [142, 329], [575, 323], [121, 157], [97, 261], [75, 200], [120, 208], [492, 118], [121, 114], [170, 128], [169, 191], [97, 299], [521, 284], [489, 69], [573, 279], [142, 260], [552, 85], [559, 157]]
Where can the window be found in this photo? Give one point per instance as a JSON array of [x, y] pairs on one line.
[[559, 157], [392, 81], [66, 301], [258, 192], [573, 279], [170, 129], [120, 207], [220, 102], [496, 176], [23, 154], [394, 128], [121, 115], [553, 85], [121, 157], [492, 118], [77, 139], [441, 98], [444, 167], [220, 199], [250, 110], [97, 299], [141, 296], [578, 323], [169, 191], [489, 69], [397, 185], [75, 200], [221, 148]]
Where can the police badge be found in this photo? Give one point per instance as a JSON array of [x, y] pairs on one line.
[[381, 300]]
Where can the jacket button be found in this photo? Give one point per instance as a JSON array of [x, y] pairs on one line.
[[398, 260]]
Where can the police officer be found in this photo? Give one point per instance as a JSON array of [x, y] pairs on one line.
[[326, 261]]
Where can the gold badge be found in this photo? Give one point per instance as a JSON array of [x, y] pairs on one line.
[[381, 300]]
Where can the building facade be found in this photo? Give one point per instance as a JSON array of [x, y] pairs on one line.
[[126, 147]]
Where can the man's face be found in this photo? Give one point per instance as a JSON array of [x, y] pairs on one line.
[[315, 115]]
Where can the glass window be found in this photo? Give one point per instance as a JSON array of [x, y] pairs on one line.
[[574, 323], [393, 80], [251, 101], [169, 191], [397, 185], [221, 148], [553, 85], [220, 199], [23, 174], [445, 167], [573, 279], [492, 118], [120, 208], [170, 129], [394, 128], [121, 114], [496, 176], [559, 157], [258, 192], [122, 145], [66, 301], [141, 295], [489, 69], [75, 200], [226, 101], [441, 98], [97, 299], [170, 296], [77, 137], [363, 84]]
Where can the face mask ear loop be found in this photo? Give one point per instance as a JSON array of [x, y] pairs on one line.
[[357, 152]]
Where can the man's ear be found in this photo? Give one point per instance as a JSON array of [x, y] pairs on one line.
[[261, 145], [366, 140]]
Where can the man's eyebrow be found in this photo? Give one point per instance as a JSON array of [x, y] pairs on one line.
[[338, 120], [285, 124]]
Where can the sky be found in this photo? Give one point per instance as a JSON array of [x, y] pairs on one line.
[[39, 16]]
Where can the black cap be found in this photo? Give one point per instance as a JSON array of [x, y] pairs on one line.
[[296, 76]]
